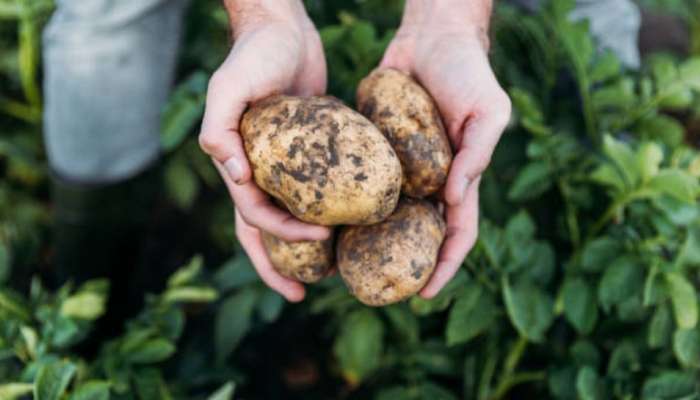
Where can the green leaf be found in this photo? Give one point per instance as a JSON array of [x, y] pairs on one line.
[[358, 347], [606, 67], [689, 253], [684, 300], [530, 309], [520, 229], [404, 322], [607, 175], [270, 305], [624, 360], [649, 157], [183, 111], [617, 94], [580, 306], [92, 390], [562, 382], [676, 183], [599, 253], [235, 273], [473, 313], [588, 384], [686, 347], [670, 385], [150, 385], [225, 392], [13, 304], [5, 262], [187, 273], [662, 127], [492, 240], [690, 73], [181, 183], [233, 321], [53, 379], [151, 351], [190, 294], [421, 306], [15, 390], [621, 280], [532, 181], [624, 159], [84, 305], [660, 328]]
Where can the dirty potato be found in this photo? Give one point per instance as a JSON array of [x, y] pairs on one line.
[[327, 163], [307, 261], [387, 262], [409, 118]]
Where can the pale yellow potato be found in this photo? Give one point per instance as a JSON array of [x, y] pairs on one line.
[[409, 118], [306, 261], [390, 261], [324, 161]]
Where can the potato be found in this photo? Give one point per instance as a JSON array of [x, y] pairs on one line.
[[409, 118], [392, 260], [306, 261], [324, 161]]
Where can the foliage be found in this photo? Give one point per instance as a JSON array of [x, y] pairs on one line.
[[583, 283]]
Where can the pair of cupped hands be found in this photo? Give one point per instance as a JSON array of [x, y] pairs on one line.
[[281, 52]]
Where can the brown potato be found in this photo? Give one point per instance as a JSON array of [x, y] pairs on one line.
[[324, 161], [392, 260], [307, 261], [409, 118]]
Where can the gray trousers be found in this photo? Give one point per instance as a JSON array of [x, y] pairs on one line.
[[109, 67]]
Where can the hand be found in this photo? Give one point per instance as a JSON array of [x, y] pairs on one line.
[[276, 50], [444, 46]]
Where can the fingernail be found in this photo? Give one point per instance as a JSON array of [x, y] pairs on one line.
[[234, 170], [463, 190]]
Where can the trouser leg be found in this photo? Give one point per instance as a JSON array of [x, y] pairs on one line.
[[108, 71], [614, 25]]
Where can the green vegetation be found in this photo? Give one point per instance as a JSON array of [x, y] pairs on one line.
[[583, 283]]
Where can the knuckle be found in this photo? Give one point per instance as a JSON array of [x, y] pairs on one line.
[[210, 142]]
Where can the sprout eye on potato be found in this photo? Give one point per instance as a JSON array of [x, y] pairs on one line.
[[326, 162], [387, 262], [409, 118], [306, 261]]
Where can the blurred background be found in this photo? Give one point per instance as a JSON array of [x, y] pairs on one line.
[[583, 283]]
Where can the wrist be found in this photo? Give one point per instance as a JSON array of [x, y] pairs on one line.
[[248, 14], [464, 17]]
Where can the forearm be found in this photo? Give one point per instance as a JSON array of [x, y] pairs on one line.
[[245, 13], [471, 16]]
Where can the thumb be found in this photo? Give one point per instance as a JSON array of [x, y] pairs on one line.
[[219, 136], [479, 139]]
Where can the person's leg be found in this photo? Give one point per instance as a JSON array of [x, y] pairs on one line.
[[108, 71], [614, 25]]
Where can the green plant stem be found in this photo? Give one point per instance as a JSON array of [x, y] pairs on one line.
[[571, 220], [517, 379], [21, 111], [508, 377], [613, 209], [484, 382]]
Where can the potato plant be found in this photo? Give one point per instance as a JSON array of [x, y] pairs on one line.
[[582, 285]]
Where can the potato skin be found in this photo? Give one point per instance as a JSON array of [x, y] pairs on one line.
[[392, 260], [324, 161], [409, 118], [307, 261]]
